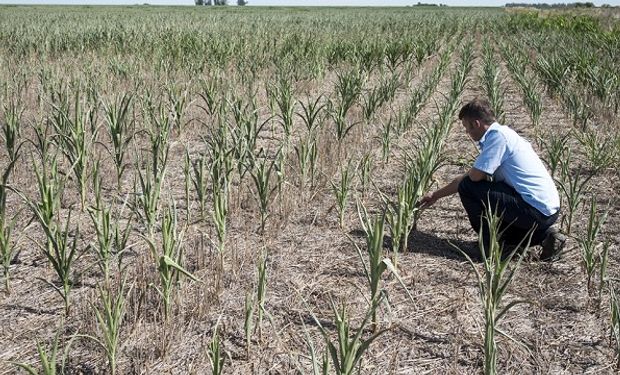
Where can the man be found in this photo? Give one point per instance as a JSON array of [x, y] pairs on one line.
[[510, 177]]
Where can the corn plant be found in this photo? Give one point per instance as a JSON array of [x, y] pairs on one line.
[[306, 153], [146, 204], [102, 222], [169, 258], [399, 216], [282, 95], [580, 110], [317, 368], [261, 175], [364, 170], [492, 83], [386, 140], [590, 246], [348, 89], [209, 95], [342, 192], [602, 274], [110, 316], [371, 102], [346, 353], [573, 187], [494, 280], [532, 98], [554, 71], [11, 129], [178, 97], [261, 291], [50, 362], [556, 150], [7, 244], [111, 237], [310, 113], [198, 175], [248, 322], [158, 131], [244, 134], [61, 252], [216, 356], [119, 126], [376, 264], [8, 247], [599, 149], [615, 322]]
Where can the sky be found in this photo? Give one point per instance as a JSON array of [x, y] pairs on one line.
[[304, 2]]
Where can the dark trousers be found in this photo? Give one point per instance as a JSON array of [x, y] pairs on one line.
[[517, 216]]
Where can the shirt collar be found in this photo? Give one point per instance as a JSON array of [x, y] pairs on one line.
[[493, 126]]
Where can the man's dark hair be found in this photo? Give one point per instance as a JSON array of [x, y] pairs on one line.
[[478, 109]]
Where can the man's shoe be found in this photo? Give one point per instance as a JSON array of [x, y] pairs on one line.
[[553, 244]]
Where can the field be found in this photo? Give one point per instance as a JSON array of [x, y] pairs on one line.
[[234, 190]]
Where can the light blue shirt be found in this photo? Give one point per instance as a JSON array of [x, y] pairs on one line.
[[509, 158]]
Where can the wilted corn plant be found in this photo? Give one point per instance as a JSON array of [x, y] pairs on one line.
[[11, 128], [120, 127], [573, 187], [8, 245], [59, 250], [216, 356], [317, 368], [169, 258], [282, 95], [111, 236], [244, 134], [348, 89], [592, 250], [494, 281], [342, 191], [256, 303], [311, 113], [377, 264], [248, 322], [306, 153], [492, 83], [615, 322], [261, 291], [599, 149], [556, 149], [110, 315], [198, 177], [346, 353], [70, 125], [178, 96], [261, 175], [364, 170], [533, 100], [50, 364], [386, 140]]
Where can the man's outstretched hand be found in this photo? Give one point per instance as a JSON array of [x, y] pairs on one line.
[[427, 201]]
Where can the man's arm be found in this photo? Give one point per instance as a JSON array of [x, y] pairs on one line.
[[452, 188]]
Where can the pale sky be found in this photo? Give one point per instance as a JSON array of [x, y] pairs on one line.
[[303, 2]]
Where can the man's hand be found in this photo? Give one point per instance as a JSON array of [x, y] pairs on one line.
[[427, 200]]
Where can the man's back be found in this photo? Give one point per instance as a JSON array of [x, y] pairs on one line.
[[511, 159]]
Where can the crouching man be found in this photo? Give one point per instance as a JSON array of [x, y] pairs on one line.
[[508, 175]]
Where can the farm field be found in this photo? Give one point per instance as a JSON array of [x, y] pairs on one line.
[[233, 190]]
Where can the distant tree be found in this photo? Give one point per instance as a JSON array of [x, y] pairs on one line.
[[220, 2], [242, 2], [199, 2]]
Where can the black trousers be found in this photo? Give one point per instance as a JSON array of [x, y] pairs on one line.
[[517, 216]]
